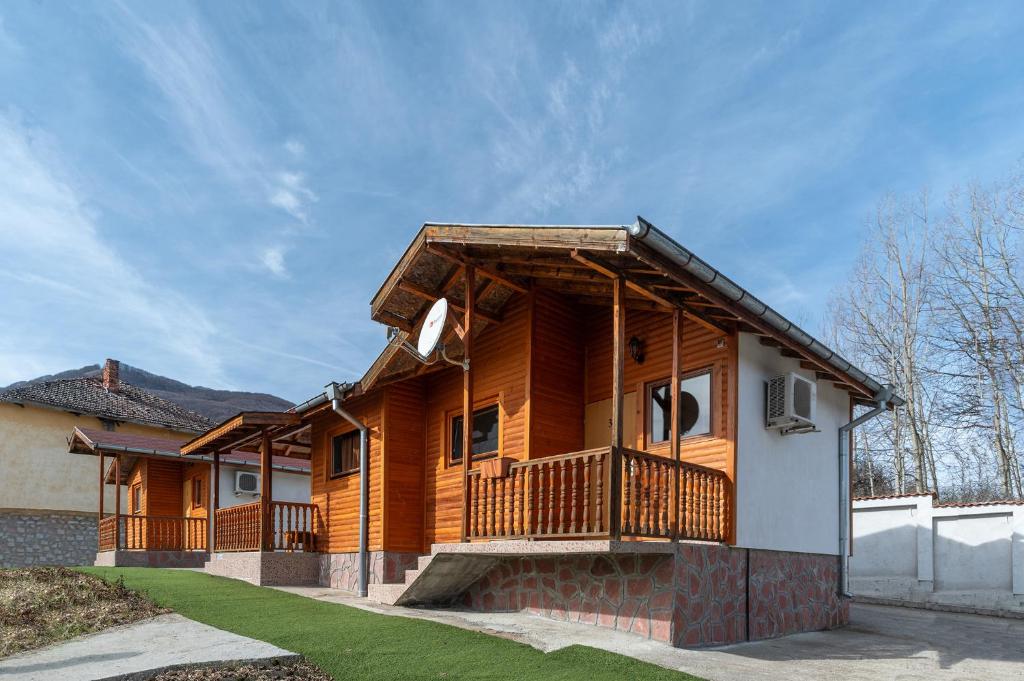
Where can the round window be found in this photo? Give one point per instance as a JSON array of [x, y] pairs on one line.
[[689, 412]]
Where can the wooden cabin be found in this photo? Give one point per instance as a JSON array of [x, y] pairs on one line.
[[165, 518], [616, 389]]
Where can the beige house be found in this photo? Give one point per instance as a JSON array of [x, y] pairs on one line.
[[48, 505]]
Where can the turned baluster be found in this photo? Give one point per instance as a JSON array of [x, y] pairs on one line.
[[645, 486], [670, 499], [657, 498], [572, 483], [599, 505], [628, 493], [562, 466], [521, 474], [586, 493], [638, 496], [551, 499], [541, 472], [501, 506]]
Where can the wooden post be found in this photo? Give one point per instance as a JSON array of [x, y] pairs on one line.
[[675, 434], [216, 502], [618, 367], [266, 492], [117, 502], [467, 395], [101, 486]]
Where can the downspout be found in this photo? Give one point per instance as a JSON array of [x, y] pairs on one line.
[[334, 392], [883, 398]]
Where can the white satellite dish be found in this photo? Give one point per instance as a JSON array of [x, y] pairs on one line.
[[433, 325]]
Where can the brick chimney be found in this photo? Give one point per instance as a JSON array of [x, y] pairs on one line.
[[111, 382]]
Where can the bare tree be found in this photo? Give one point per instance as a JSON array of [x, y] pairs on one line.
[[881, 318]]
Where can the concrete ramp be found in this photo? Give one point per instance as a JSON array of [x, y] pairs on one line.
[[439, 580]]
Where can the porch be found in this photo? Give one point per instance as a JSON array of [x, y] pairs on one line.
[[571, 496]]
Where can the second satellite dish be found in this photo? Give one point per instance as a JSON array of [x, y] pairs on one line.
[[433, 325]]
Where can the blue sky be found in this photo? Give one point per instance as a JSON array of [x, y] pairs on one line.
[[215, 191]]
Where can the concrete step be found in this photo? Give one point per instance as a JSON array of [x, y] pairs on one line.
[[385, 594], [411, 575], [424, 561]]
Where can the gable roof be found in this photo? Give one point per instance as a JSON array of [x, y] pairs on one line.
[[86, 395], [581, 262], [132, 447]]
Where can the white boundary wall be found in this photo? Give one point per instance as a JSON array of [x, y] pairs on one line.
[[906, 548]]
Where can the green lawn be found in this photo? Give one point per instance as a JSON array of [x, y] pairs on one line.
[[352, 644]]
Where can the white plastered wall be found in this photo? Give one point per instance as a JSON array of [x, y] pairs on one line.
[[286, 486], [787, 486]]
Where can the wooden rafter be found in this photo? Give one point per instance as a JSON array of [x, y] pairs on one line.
[[482, 270], [613, 273], [417, 290], [655, 259]]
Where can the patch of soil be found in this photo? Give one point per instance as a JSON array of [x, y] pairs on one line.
[[270, 670], [39, 606]]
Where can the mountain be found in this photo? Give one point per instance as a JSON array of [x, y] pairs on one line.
[[214, 404]]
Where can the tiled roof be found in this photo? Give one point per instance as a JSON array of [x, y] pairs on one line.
[[112, 441], [974, 504], [129, 403], [899, 496]]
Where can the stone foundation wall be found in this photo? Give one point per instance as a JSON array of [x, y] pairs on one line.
[[791, 592], [341, 570], [696, 596], [162, 559], [276, 568], [30, 537]]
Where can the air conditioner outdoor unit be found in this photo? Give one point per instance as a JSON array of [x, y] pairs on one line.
[[790, 402], [247, 483]]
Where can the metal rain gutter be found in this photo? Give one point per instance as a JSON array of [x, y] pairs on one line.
[[335, 394], [883, 398], [686, 260]]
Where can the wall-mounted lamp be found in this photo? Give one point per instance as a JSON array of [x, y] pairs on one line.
[[636, 350]]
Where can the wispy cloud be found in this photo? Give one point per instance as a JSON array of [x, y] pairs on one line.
[[273, 259], [551, 151], [210, 106], [51, 242]]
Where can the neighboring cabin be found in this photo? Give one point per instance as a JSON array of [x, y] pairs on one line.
[[165, 519], [652, 448], [48, 499]]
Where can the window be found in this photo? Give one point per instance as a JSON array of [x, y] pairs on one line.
[[345, 453], [197, 492], [136, 499], [694, 408], [485, 433]]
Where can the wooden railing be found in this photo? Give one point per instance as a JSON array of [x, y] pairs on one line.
[[107, 538], [570, 496], [557, 496], [281, 526], [648, 496], [705, 500], [294, 526], [152, 533], [238, 528], [647, 485], [162, 533]]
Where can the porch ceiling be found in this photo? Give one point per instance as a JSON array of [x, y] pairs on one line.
[[244, 432], [578, 262]]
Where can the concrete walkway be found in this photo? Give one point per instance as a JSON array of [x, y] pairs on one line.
[[155, 643], [880, 643]]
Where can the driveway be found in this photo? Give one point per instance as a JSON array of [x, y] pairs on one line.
[[881, 643]]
